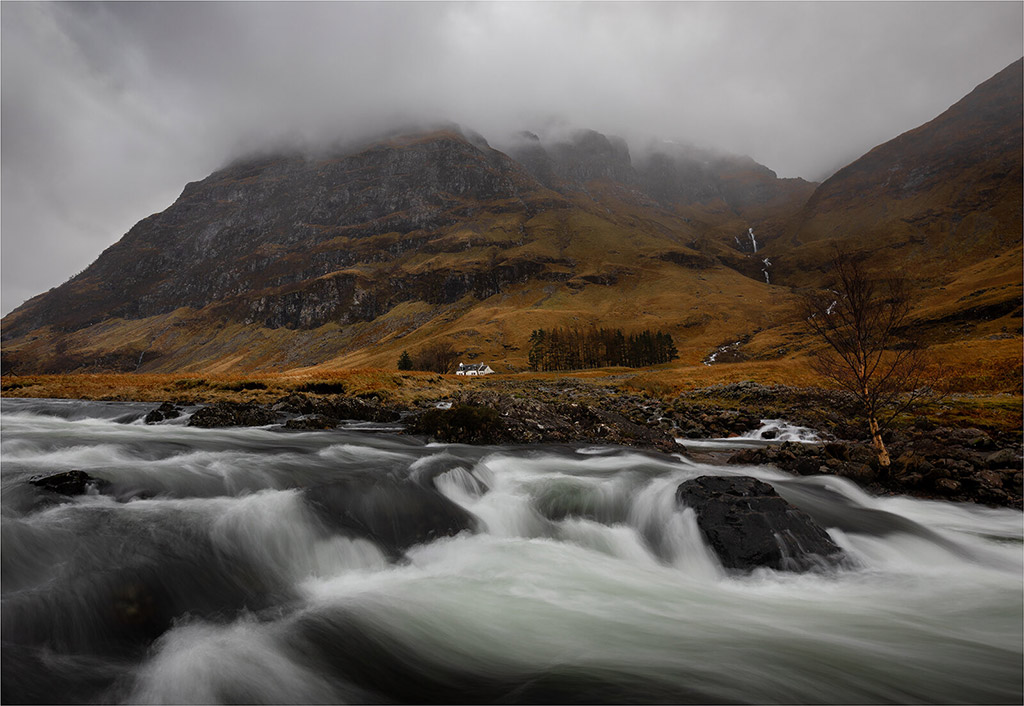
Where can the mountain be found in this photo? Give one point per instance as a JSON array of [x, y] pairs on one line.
[[415, 231], [944, 195], [349, 256]]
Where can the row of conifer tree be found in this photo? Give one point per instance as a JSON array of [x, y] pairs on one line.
[[575, 349]]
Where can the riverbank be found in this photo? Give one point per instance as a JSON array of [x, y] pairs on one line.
[[967, 448]]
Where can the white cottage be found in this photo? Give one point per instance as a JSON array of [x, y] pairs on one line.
[[474, 369]]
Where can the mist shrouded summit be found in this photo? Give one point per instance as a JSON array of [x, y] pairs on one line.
[[109, 108], [401, 234], [347, 256]]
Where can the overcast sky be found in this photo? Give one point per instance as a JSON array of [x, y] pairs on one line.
[[109, 109]]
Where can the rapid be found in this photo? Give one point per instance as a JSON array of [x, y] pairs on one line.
[[256, 565]]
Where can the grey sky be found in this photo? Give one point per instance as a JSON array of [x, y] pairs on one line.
[[109, 109]]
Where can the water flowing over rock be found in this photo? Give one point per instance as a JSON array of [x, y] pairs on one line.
[[257, 570], [69, 482], [749, 526], [396, 515]]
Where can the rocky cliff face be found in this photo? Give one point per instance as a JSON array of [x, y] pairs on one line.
[[301, 241], [254, 233]]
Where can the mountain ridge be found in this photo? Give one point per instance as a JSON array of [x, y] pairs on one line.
[[953, 184], [345, 258]]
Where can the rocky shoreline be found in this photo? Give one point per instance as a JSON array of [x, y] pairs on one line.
[[962, 464]]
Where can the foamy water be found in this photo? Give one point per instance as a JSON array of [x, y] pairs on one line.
[[208, 577]]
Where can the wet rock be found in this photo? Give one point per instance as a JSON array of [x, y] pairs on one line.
[[837, 450], [393, 514], [70, 483], [232, 414], [338, 407], [754, 457], [982, 442], [463, 424], [312, 422], [566, 414], [162, 413], [748, 525], [860, 473], [947, 486], [808, 466], [1004, 458]]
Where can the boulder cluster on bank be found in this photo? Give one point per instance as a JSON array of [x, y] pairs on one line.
[[956, 464]]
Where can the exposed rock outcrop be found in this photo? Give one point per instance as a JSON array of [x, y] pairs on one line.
[[395, 514], [70, 483], [961, 465], [232, 414], [749, 526], [165, 411]]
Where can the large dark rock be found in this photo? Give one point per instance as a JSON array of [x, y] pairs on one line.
[[311, 422], [70, 483], [462, 424], [232, 414], [394, 514], [748, 525], [338, 407], [162, 413]]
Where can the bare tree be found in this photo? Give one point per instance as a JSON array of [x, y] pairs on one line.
[[863, 321]]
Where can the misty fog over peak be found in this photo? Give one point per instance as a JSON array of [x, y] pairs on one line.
[[109, 109]]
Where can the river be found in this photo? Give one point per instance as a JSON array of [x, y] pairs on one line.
[[210, 570]]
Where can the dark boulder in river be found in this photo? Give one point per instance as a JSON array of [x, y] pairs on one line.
[[232, 414], [167, 410], [69, 483], [748, 525], [393, 514]]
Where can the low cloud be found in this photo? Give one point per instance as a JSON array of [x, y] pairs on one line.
[[109, 109]]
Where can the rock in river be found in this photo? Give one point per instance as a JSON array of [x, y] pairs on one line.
[[232, 414], [748, 525], [69, 483], [394, 514]]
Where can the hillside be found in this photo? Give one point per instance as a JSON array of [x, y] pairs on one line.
[[347, 257], [944, 195]]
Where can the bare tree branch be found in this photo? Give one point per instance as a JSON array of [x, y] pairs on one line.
[[862, 322]]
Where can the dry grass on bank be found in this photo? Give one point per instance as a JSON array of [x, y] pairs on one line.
[[982, 377], [194, 388]]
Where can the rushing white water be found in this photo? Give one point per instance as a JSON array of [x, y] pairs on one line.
[[713, 357], [206, 572], [771, 432]]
